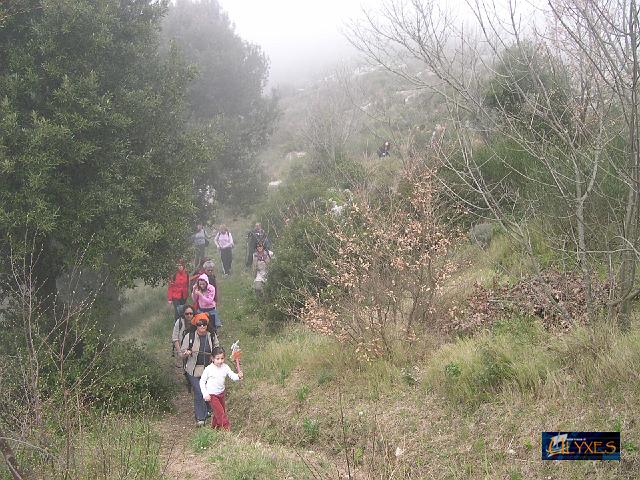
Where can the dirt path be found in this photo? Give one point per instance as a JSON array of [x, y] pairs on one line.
[[179, 459], [240, 454]]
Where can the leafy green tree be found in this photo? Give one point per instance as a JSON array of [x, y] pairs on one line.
[[93, 152], [226, 95]]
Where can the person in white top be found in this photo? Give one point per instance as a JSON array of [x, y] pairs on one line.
[[212, 387], [224, 242]]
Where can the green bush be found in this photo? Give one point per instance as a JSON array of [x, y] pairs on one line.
[[79, 361], [302, 393], [128, 377], [292, 273], [294, 199], [452, 370], [494, 368]]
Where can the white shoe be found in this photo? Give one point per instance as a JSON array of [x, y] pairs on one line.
[[200, 423]]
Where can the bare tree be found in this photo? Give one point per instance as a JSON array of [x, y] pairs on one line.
[[329, 122], [40, 346]]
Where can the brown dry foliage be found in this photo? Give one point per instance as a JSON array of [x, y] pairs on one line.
[[386, 264], [525, 298]]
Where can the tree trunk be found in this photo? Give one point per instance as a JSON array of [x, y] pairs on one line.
[[629, 261]]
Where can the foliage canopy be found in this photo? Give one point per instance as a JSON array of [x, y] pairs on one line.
[[92, 148]]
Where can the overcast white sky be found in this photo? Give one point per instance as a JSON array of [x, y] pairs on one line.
[[304, 37], [299, 36]]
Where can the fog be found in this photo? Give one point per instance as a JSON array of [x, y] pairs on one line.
[[301, 38]]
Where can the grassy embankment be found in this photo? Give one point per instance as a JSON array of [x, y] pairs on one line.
[[464, 408], [455, 408]]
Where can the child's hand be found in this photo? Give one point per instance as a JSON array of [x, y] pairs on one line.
[[240, 374], [206, 397]]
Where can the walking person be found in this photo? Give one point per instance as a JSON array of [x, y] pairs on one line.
[[210, 270], [197, 347], [261, 259], [212, 387], [204, 295], [182, 327], [178, 289], [224, 242], [255, 236], [200, 241]]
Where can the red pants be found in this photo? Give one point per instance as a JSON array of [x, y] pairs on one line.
[[219, 417]]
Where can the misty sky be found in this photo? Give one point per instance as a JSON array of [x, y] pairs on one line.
[[301, 37]]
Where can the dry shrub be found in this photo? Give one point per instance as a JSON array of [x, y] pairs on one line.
[[385, 264], [486, 304]]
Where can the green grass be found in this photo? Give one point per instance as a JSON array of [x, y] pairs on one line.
[[204, 438], [463, 408], [242, 460], [472, 370]]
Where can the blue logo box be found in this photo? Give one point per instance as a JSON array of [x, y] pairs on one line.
[[580, 445]]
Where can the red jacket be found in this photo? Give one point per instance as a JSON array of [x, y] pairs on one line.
[[179, 286]]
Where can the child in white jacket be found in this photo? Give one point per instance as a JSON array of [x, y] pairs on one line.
[[212, 387]]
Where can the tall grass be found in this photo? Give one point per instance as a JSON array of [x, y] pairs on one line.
[[109, 448], [471, 370]]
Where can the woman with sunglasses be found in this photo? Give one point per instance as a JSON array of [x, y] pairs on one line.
[[182, 326], [196, 348]]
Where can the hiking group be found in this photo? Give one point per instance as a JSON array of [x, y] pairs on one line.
[[197, 323]]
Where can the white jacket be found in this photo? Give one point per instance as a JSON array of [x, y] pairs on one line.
[[212, 379]]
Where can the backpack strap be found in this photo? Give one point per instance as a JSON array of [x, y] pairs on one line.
[[192, 338], [186, 328]]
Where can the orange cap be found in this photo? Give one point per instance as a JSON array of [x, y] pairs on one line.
[[199, 318]]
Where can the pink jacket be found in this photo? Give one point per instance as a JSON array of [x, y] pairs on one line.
[[206, 299]]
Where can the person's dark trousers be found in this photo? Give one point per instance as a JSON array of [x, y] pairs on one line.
[[176, 307], [250, 252], [251, 249], [226, 255], [199, 405]]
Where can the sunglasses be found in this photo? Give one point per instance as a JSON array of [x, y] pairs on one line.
[[188, 313], [201, 324]]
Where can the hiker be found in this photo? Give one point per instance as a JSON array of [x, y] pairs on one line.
[[212, 387], [383, 150], [196, 348], [437, 135], [200, 241], [178, 289], [255, 236], [204, 295], [197, 272], [209, 269], [224, 242], [261, 259], [182, 326]]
